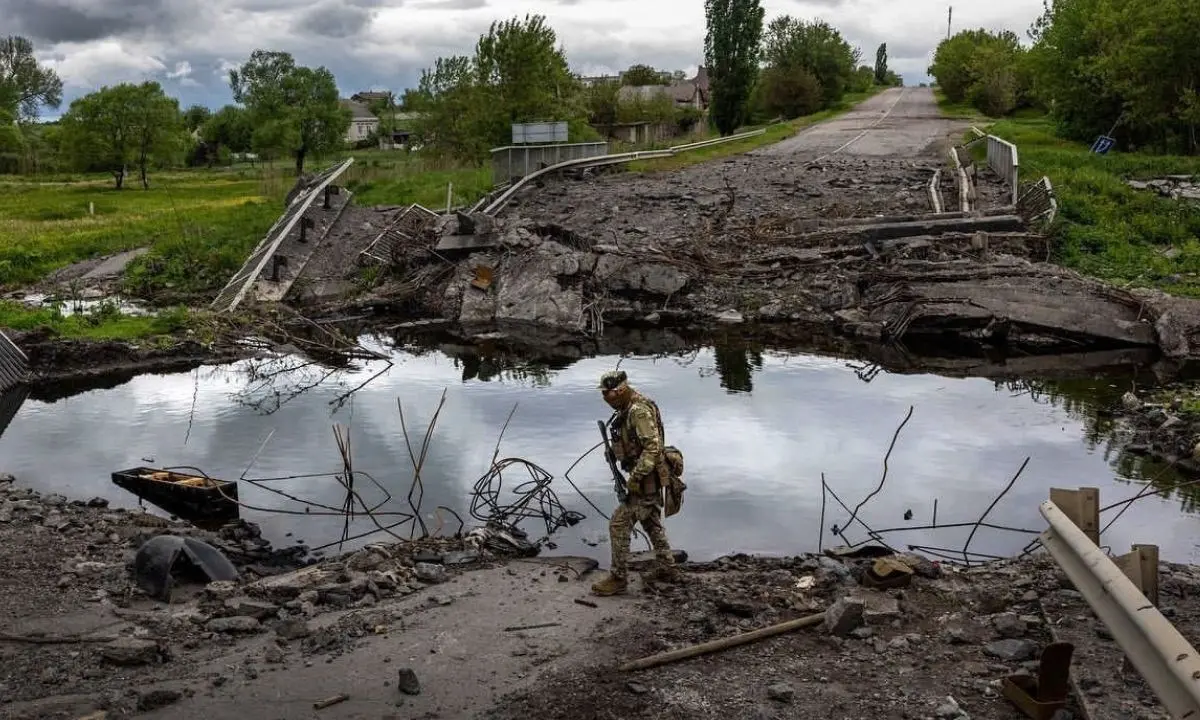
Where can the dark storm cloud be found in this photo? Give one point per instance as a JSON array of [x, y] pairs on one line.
[[336, 19], [451, 4], [83, 20]]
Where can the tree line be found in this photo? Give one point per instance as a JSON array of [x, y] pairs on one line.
[[463, 105], [282, 110], [518, 72], [1126, 67]]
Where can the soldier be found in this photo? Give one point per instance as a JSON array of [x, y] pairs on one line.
[[638, 441]]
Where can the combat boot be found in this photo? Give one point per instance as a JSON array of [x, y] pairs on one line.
[[611, 585], [666, 574]]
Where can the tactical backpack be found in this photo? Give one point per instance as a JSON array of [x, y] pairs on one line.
[[673, 485]]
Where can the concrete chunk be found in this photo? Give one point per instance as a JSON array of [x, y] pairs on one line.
[[843, 616]]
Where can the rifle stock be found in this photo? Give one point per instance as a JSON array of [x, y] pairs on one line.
[[618, 479]]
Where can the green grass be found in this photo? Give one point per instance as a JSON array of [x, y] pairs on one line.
[[394, 178], [1104, 227], [199, 225], [104, 323], [961, 111], [774, 133]]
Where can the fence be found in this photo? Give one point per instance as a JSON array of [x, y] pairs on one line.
[[516, 161], [14, 366], [1002, 159], [235, 290]]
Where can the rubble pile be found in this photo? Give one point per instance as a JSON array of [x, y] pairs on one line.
[[845, 246], [1175, 187]]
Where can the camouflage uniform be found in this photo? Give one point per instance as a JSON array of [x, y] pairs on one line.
[[638, 444]]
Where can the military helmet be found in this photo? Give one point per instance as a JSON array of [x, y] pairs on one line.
[[612, 379]]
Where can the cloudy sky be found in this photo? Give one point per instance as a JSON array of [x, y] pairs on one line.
[[189, 45]]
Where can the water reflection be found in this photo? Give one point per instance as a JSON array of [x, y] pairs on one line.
[[758, 427]]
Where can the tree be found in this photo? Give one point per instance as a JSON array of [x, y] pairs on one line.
[[638, 75], [817, 47], [881, 65], [731, 50], [791, 91], [123, 125], [24, 84], [195, 117], [982, 68], [294, 109], [229, 130], [517, 74]]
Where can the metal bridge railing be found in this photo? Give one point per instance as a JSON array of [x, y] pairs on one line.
[[235, 290], [1003, 160], [14, 365]]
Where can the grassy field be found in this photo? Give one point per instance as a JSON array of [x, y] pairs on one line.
[[1104, 227], [774, 133]]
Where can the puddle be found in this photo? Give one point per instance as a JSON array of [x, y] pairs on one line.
[[757, 429], [86, 305]]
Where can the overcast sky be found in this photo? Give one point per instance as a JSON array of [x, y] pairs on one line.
[[189, 45]]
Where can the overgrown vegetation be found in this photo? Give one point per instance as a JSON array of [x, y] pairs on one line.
[[1106, 228], [103, 322], [1128, 68]]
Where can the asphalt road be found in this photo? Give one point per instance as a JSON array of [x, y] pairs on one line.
[[896, 123]]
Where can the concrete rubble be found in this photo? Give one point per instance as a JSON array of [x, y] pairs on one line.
[[1176, 187], [935, 648]]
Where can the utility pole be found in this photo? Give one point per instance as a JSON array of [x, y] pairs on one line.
[[949, 21]]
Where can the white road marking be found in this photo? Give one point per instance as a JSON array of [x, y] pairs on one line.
[[863, 134]]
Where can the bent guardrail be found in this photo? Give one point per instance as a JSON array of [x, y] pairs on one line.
[[1164, 658], [603, 160]]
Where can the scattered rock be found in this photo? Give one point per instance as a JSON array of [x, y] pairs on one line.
[[257, 609], [844, 616], [236, 624], [130, 651], [950, 709], [1008, 625], [293, 629], [636, 687], [781, 692], [430, 573], [1011, 650], [407, 682]]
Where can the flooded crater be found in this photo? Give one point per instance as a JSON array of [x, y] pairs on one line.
[[759, 430]]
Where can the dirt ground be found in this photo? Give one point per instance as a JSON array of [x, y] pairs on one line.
[[443, 629]]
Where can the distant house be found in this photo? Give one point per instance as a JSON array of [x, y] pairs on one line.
[[363, 122], [366, 98]]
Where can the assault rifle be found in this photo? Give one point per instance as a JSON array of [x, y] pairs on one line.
[[618, 479]]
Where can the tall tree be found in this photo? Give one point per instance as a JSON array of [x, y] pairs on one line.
[[24, 84], [881, 65], [293, 108], [731, 52], [123, 125], [229, 128]]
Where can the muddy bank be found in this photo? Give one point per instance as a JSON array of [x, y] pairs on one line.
[[445, 629]]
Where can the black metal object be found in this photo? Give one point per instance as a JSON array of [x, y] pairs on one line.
[[279, 261], [1041, 697], [306, 224], [330, 190], [160, 557], [10, 403], [213, 500]]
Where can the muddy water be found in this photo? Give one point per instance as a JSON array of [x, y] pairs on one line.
[[758, 431]]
